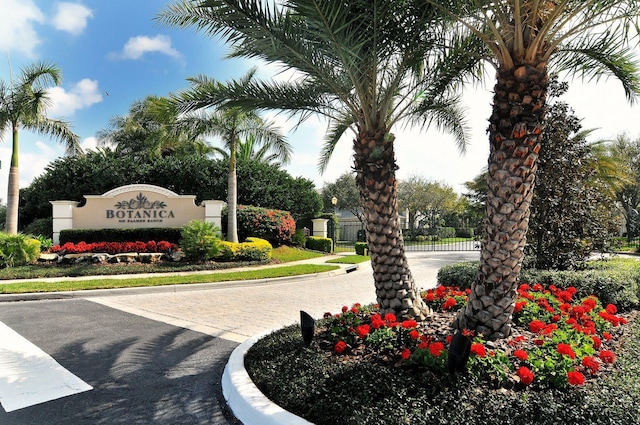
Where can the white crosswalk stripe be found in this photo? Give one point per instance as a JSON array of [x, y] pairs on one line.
[[29, 376]]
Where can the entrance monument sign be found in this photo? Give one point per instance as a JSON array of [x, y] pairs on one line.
[[133, 206]]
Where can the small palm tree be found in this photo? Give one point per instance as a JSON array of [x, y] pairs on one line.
[[527, 38], [231, 126], [23, 104], [366, 65]]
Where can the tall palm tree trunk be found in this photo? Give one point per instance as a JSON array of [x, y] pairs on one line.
[[515, 133], [232, 199], [375, 166], [13, 190]]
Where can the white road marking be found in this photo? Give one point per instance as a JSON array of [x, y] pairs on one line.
[[30, 376]]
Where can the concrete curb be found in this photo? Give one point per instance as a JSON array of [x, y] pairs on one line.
[[245, 400]]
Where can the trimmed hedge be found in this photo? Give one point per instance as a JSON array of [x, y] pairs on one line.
[[317, 243], [362, 248], [612, 281], [253, 249], [169, 234]]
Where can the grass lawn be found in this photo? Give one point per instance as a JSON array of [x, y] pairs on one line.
[[281, 255]]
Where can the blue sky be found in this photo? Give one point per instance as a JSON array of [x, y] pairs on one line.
[[112, 53]]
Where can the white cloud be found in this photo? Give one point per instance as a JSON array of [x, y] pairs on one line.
[[84, 94], [17, 30], [90, 143], [71, 17], [136, 47]]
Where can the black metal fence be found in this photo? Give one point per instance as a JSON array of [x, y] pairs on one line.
[[345, 235]]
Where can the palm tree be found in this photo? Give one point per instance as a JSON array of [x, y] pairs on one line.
[[24, 103], [231, 126], [150, 130], [250, 149], [366, 65], [526, 39]]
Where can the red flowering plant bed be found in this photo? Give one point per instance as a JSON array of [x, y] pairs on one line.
[[114, 247], [559, 340]]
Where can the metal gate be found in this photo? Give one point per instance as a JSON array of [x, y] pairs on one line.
[[345, 235]]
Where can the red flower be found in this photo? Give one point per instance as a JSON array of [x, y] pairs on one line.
[[408, 324], [436, 349], [606, 335], [597, 342], [390, 318], [414, 334], [575, 378], [430, 297], [423, 345], [537, 287], [521, 355], [536, 326], [449, 304], [611, 309], [566, 350], [591, 363], [340, 347], [519, 306], [607, 356], [525, 375], [539, 342], [363, 331], [478, 349], [345, 308], [468, 332], [518, 339], [406, 353]]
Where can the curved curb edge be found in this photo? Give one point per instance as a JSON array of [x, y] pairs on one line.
[[245, 400]]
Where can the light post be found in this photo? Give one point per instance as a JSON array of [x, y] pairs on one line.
[[334, 202]]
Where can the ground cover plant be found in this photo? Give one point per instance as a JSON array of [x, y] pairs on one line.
[[571, 360]]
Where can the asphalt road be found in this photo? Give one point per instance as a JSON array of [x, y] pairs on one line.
[[148, 367], [142, 371]]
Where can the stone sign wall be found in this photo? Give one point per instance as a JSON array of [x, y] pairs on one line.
[[133, 206]]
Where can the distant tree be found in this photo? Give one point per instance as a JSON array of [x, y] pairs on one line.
[[426, 201], [95, 173], [23, 104], [628, 196], [477, 197], [571, 212], [345, 191]]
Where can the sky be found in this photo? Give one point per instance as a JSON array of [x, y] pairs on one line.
[[113, 53]]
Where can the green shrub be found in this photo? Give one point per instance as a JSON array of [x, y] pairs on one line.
[[200, 240], [18, 250], [446, 232], [465, 233], [253, 249], [299, 238], [275, 226], [362, 248], [460, 274], [40, 227], [612, 281], [317, 243]]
